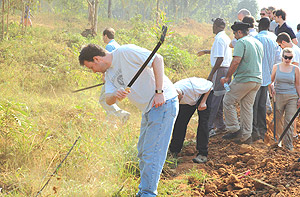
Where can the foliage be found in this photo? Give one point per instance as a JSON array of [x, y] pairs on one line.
[[251, 5], [40, 118]]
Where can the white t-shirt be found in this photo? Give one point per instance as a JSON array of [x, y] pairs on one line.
[[296, 57], [298, 38], [220, 48], [192, 89], [273, 25], [126, 61]]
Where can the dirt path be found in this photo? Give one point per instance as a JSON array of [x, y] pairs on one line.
[[228, 162]]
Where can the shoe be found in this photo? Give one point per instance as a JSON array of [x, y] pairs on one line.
[[247, 141], [200, 159], [220, 130], [233, 135], [124, 116], [212, 133]]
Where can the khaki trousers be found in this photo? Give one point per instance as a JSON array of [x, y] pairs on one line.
[[286, 104], [244, 94]]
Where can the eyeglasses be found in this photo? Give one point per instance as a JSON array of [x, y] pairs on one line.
[[262, 14], [288, 57]]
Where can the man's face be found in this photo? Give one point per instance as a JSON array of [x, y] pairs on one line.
[[240, 17], [236, 34], [105, 39], [282, 44], [270, 14], [277, 18], [263, 13], [215, 28], [97, 65]]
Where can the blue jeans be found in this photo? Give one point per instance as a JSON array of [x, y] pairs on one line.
[[156, 129]]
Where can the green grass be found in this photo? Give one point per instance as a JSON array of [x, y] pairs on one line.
[[40, 118]]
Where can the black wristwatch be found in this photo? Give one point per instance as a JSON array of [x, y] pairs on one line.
[[159, 91]]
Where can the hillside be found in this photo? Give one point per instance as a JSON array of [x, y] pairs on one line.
[[40, 118]]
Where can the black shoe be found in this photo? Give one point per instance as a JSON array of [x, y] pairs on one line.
[[230, 136], [247, 141]]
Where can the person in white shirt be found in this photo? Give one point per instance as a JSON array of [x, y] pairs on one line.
[[220, 58], [298, 35], [284, 41], [250, 20], [111, 110], [271, 11], [189, 93], [241, 14], [153, 93]]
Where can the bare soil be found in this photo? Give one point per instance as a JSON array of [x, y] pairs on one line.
[[272, 170]]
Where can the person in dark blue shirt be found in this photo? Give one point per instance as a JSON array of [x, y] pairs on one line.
[[280, 17]]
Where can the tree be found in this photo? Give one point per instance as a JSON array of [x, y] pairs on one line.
[[109, 14], [250, 5]]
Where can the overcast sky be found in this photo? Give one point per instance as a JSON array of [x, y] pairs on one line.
[[291, 7]]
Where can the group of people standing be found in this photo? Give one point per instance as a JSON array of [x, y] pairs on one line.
[[258, 66]]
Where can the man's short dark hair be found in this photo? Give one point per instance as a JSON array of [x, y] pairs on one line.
[[280, 13], [271, 8], [110, 32], [250, 20], [264, 23], [219, 22], [298, 27], [88, 52], [283, 37]]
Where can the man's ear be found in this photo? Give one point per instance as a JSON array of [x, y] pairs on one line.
[[284, 43], [97, 59]]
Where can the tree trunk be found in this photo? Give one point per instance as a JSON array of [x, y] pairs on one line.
[[91, 7], [27, 15], [109, 14], [2, 36], [157, 12], [22, 19], [96, 17], [8, 7]]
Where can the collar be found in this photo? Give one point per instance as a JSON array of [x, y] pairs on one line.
[[220, 33], [111, 41]]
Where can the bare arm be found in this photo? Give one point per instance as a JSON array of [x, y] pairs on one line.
[[158, 69], [233, 66], [297, 84], [202, 106], [215, 68], [203, 52], [271, 86], [117, 95], [295, 41]]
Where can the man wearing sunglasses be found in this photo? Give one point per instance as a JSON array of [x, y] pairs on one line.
[[284, 41], [246, 66], [263, 13]]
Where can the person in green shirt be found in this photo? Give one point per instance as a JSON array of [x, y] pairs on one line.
[[246, 68]]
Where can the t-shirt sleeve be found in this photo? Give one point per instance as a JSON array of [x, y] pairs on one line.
[[109, 48], [109, 87], [291, 33], [219, 49], [239, 49]]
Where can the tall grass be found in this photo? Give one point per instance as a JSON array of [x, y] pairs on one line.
[[40, 118]]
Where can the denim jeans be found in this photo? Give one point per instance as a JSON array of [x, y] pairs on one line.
[[156, 129]]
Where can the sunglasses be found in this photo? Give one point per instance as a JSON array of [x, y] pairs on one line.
[[288, 57], [262, 14]]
